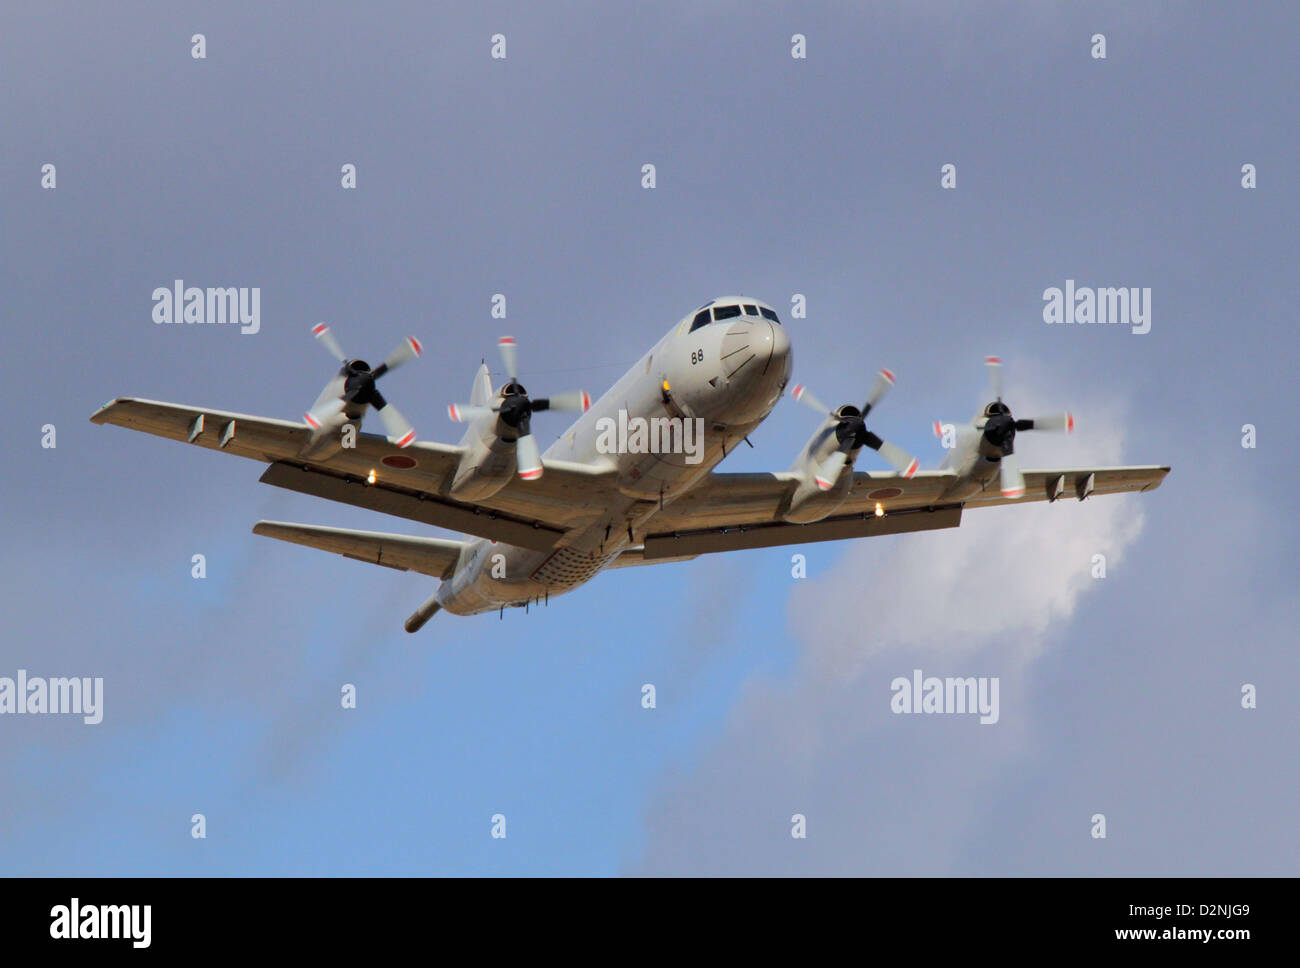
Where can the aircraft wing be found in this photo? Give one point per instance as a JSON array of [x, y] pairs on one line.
[[729, 512], [725, 512], [409, 482], [1076, 482]]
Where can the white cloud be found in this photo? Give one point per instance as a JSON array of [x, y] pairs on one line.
[[985, 599], [1002, 579]]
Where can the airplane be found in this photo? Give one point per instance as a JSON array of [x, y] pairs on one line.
[[542, 524]]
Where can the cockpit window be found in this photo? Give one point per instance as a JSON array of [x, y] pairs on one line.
[[768, 314], [751, 310], [725, 312], [701, 319]]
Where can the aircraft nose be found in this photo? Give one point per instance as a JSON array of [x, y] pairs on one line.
[[779, 344], [750, 348], [755, 354]]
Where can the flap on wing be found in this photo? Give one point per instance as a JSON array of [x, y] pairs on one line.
[[724, 502], [390, 498], [428, 556], [527, 513], [706, 541], [729, 500]]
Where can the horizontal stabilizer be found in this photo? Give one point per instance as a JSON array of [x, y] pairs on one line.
[[428, 556]]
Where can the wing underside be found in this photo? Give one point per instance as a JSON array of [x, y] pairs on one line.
[[411, 482], [735, 511]]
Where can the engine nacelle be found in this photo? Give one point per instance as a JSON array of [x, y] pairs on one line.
[[486, 468], [808, 501]]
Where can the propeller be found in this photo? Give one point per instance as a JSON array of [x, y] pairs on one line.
[[516, 408], [359, 387], [999, 429], [851, 432]]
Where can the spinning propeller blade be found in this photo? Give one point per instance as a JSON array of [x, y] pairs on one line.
[[515, 408], [852, 433], [359, 388]]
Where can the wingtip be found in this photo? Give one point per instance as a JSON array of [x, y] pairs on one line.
[[101, 415]]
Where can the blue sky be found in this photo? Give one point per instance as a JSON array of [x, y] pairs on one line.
[[776, 176]]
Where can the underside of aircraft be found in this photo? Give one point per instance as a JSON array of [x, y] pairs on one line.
[[609, 493]]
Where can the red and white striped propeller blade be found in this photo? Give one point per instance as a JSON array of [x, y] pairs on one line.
[[576, 401], [1057, 422], [398, 428], [805, 396], [327, 340], [408, 349], [829, 470], [509, 356], [1011, 480], [994, 364], [467, 412], [528, 460], [884, 380], [899, 459], [326, 412]]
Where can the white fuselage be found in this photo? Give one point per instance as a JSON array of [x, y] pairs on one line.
[[725, 376]]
